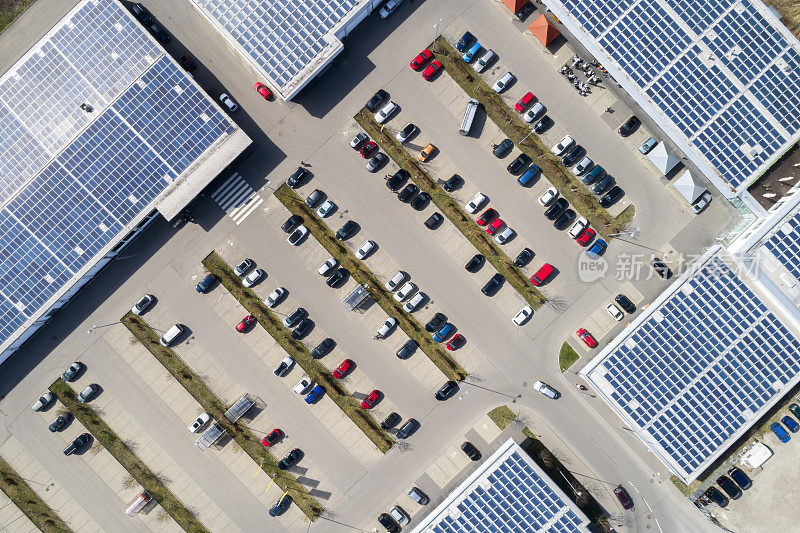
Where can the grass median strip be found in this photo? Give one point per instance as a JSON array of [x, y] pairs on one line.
[[474, 233], [567, 356], [125, 456], [216, 408], [364, 276], [29, 502], [282, 335], [515, 129]]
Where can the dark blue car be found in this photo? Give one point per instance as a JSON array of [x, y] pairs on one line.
[[780, 432], [790, 423], [315, 394], [204, 286], [528, 175], [462, 43]]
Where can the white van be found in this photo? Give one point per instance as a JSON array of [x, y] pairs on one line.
[[172, 334], [469, 115]]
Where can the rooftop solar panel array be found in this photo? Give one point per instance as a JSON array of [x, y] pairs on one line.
[[784, 244], [71, 181], [280, 36], [721, 71], [700, 366]]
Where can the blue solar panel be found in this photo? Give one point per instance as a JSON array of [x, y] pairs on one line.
[[784, 244], [701, 365], [598, 15]]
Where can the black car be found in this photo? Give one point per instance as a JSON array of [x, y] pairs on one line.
[[296, 316], [205, 284], [472, 452], [475, 263], [302, 329], [291, 458], [281, 505], [397, 179], [451, 184], [524, 256], [296, 178], [187, 63], [503, 148], [407, 349], [554, 211], [346, 231], [59, 423], [716, 496], [729, 487], [438, 320], [446, 390], [611, 196], [314, 198], [323, 348], [564, 220], [159, 33], [420, 201], [408, 193], [407, 429], [291, 223], [740, 477], [376, 100], [629, 126], [518, 164], [662, 269], [604, 184], [375, 163], [141, 14], [390, 421], [336, 278], [434, 220], [77, 444], [573, 155], [388, 522], [493, 285], [462, 43], [543, 124], [625, 303]]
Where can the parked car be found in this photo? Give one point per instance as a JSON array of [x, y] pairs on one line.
[[611, 196], [434, 221], [88, 393], [291, 223], [528, 175], [614, 312], [596, 249], [281, 505], [536, 111], [228, 102], [660, 268], [438, 320], [648, 145], [625, 303], [315, 394], [163, 37], [375, 163], [297, 235], [322, 349], [504, 236], [563, 145], [542, 274], [548, 196], [604, 184], [523, 315], [371, 399], [405, 291], [716, 496], [73, 370], [283, 367], [365, 249], [492, 228], [386, 327], [582, 166], [456, 342], [573, 155], [244, 267], [474, 264], [779, 432], [701, 203], [346, 230], [293, 318], [337, 277], [486, 217], [452, 183], [462, 43], [395, 280], [296, 177], [729, 487], [421, 58], [291, 458], [343, 368], [523, 257], [141, 13], [206, 283], [555, 210], [408, 193], [142, 304], [471, 52], [253, 277], [740, 477], [385, 112], [390, 421], [407, 131], [263, 90], [443, 333], [578, 227], [388, 523], [302, 329], [523, 102], [471, 451], [198, 423], [274, 297], [245, 324], [420, 201], [564, 220], [77, 444], [407, 429], [447, 390], [60, 422], [503, 148], [389, 8], [623, 497], [418, 496], [326, 208], [406, 349], [366, 150], [373, 103], [475, 203], [356, 141], [500, 85], [303, 385], [518, 164], [547, 390], [493, 285], [629, 126], [587, 338], [483, 61], [432, 69], [411, 305], [397, 179], [790, 423], [597, 173], [585, 237]]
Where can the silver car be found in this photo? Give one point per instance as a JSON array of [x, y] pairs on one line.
[[142, 305]]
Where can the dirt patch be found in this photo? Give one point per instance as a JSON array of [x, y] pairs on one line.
[[777, 181], [10, 10]]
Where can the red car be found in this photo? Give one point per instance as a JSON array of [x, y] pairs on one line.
[[371, 400], [586, 337], [432, 69], [624, 499], [542, 274], [262, 90], [272, 437], [487, 215], [456, 342], [523, 102], [367, 149], [492, 228], [420, 60], [246, 322], [585, 237], [343, 369]]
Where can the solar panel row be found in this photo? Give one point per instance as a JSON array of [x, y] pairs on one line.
[[784, 244]]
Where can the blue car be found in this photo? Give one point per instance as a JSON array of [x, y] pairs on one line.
[[443, 332], [315, 394], [469, 55], [206, 284], [594, 175], [790, 423], [528, 175], [597, 249], [462, 43], [780, 432]]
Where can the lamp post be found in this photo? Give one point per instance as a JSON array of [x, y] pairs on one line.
[[436, 33], [95, 326]]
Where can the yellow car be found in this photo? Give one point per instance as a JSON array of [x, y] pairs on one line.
[[426, 152]]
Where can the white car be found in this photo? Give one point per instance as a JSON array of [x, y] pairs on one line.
[[534, 112], [411, 305], [303, 386], [383, 113], [275, 297], [142, 305], [545, 389], [701, 202], [228, 102], [405, 291], [43, 401], [548, 197], [578, 227], [404, 134], [582, 166], [400, 515], [327, 267], [297, 235], [395, 280], [358, 139], [365, 249], [502, 237], [563, 145], [503, 82], [615, 312], [483, 61], [253, 277], [523, 315], [199, 422], [386, 327], [325, 209], [283, 367], [389, 8], [475, 204]]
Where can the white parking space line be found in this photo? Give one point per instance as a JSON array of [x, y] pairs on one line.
[[237, 198]]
